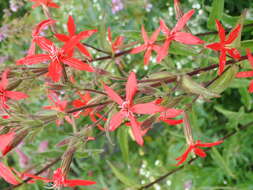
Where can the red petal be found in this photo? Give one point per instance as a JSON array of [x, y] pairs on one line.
[[163, 51], [131, 87], [33, 59], [41, 26], [187, 38], [118, 42], [144, 34], [71, 26], [221, 31], [53, 5], [251, 87], [182, 21], [15, 95], [250, 57], [215, 46], [147, 56], [136, 130], [184, 156], [45, 44], [55, 71], [164, 28], [83, 49], [109, 34], [154, 36], [4, 79], [62, 37], [234, 53], [233, 34], [113, 95], [199, 152], [78, 103], [37, 177], [222, 62], [199, 143], [147, 108], [31, 50], [5, 141], [172, 121], [7, 174], [116, 120], [77, 182], [244, 74], [171, 112], [77, 64], [138, 49]]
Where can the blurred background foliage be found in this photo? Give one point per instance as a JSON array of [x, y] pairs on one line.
[[227, 167]]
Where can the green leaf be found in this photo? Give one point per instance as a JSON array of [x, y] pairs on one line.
[[221, 162], [193, 87], [247, 44], [123, 142], [216, 13], [245, 97], [124, 179], [223, 82], [182, 49]]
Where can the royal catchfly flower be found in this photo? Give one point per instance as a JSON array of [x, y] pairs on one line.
[[117, 43], [148, 46], [57, 57], [245, 74], [72, 33], [128, 108], [59, 180], [36, 34], [47, 3], [57, 105], [224, 46], [195, 148], [171, 113], [5, 94], [85, 99], [175, 34]]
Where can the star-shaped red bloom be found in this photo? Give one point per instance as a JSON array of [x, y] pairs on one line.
[[127, 108], [90, 111], [57, 105], [48, 3], [72, 33], [195, 148], [224, 45], [36, 34], [148, 46], [59, 180], [6, 94], [57, 56], [175, 34], [117, 43], [245, 74]]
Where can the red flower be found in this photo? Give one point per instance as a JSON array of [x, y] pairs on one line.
[[117, 43], [128, 108], [72, 33], [245, 74], [58, 105], [36, 34], [195, 148], [90, 111], [175, 34], [57, 56], [5, 94], [48, 3], [224, 45], [7, 175], [148, 46], [171, 113], [59, 180], [5, 141]]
